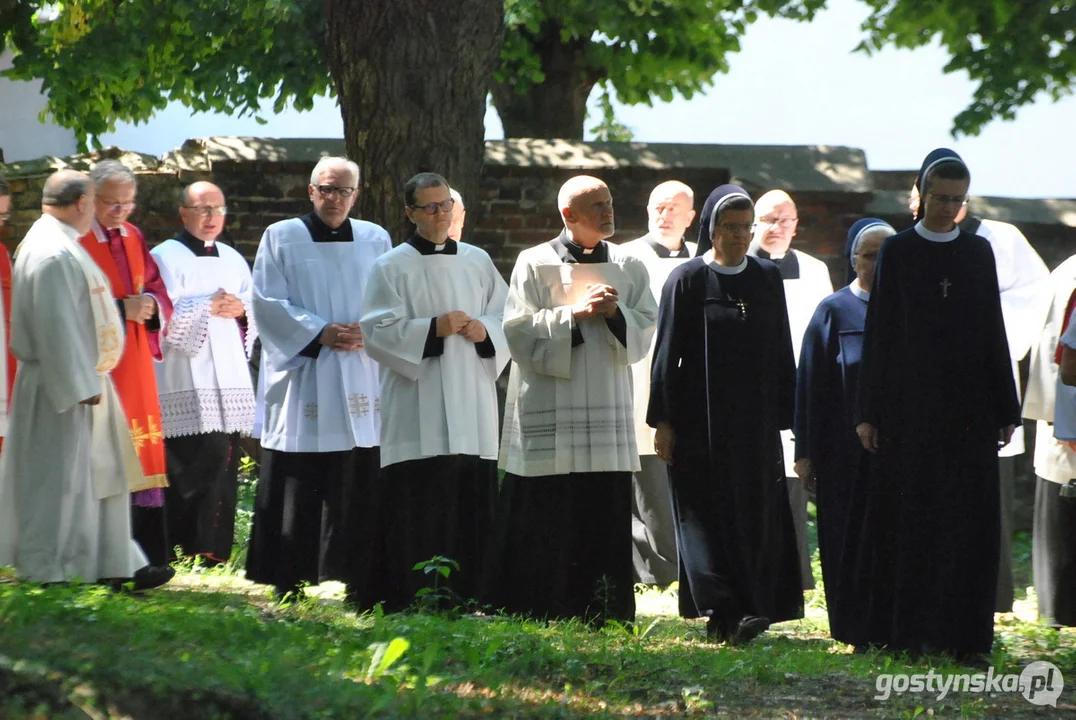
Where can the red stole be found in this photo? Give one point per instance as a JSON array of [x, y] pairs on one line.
[[5, 288], [134, 377]]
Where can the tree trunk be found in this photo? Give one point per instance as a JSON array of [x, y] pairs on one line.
[[557, 108], [411, 77]]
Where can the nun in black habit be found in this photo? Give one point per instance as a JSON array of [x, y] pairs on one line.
[[828, 453], [936, 399], [722, 388]]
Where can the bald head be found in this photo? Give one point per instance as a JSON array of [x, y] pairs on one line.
[[459, 214], [586, 207], [777, 222], [670, 210], [203, 211], [68, 197]]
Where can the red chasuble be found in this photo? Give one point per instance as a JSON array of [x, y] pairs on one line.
[[5, 288], [125, 259]]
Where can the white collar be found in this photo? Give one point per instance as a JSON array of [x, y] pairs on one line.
[[69, 231], [100, 233], [858, 291], [936, 236], [725, 269]]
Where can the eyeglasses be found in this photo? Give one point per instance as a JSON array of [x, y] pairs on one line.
[[949, 199], [432, 208], [117, 207], [330, 190], [5, 216], [731, 227], [208, 210], [780, 222]]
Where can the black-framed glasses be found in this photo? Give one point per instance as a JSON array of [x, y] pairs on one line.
[[444, 206], [330, 190], [950, 199], [780, 222], [209, 210], [732, 227]]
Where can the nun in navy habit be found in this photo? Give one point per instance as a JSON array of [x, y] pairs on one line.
[[828, 453], [723, 387], [936, 400]]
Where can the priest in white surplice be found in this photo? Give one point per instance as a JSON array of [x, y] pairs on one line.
[[206, 394], [68, 458], [579, 313], [322, 404], [1024, 285], [433, 312], [670, 211], [807, 283]]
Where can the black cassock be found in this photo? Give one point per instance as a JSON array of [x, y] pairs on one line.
[[826, 382], [724, 378], [937, 383]]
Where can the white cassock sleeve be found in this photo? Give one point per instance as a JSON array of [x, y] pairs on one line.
[[640, 311], [68, 366], [391, 337], [1023, 282], [493, 318], [539, 339], [285, 328]]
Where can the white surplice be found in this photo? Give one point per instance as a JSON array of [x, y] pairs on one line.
[[1025, 293], [802, 296], [1053, 461], [332, 403], [66, 467], [445, 405], [570, 410], [203, 380], [659, 269]]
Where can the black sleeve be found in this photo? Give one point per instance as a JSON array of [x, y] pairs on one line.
[[313, 348], [485, 348], [618, 325], [577, 334], [122, 309], [435, 346], [154, 323]]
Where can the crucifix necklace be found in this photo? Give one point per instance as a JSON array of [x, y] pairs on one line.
[[945, 285]]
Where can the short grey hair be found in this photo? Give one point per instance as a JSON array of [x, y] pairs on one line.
[[65, 188], [457, 197], [331, 162], [109, 170]]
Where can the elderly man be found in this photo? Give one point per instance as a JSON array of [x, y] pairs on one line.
[[579, 313], [807, 283], [433, 313], [207, 400], [7, 360], [670, 211], [459, 215], [1023, 283], [70, 459], [119, 248], [319, 441]]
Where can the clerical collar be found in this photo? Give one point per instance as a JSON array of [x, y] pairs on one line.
[[428, 247], [200, 248], [101, 232], [936, 236], [858, 291], [570, 251], [320, 232], [788, 264], [663, 252], [726, 269]]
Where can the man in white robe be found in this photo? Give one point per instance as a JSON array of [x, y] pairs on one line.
[[807, 282], [1053, 552], [670, 211], [206, 394], [1023, 282], [459, 216], [64, 473], [433, 313], [579, 313], [322, 403], [6, 361]]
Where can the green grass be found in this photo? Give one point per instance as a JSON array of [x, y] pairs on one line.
[[212, 645]]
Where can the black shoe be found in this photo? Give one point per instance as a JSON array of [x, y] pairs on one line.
[[749, 628], [152, 576], [288, 594], [717, 629]]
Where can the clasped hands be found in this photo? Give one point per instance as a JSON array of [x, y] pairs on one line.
[[224, 304], [139, 308], [460, 323], [600, 299], [870, 439]]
